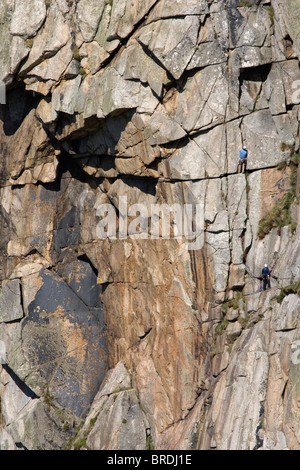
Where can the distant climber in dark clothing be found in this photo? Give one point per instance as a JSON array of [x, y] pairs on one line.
[[266, 277]]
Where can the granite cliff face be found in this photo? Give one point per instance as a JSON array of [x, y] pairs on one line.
[[136, 341]]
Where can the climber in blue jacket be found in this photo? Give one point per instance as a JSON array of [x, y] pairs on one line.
[[243, 160], [266, 277]]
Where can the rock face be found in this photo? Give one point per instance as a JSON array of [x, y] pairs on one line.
[[131, 247]]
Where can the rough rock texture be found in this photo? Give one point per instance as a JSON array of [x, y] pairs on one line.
[[132, 341]]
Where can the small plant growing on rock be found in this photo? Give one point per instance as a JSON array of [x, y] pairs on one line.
[[271, 14], [243, 3], [243, 321], [29, 42], [48, 398], [221, 327], [76, 54], [291, 289], [79, 444], [149, 444], [279, 216], [287, 147], [82, 72]]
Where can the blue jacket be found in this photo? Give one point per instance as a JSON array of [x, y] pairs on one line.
[[243, 153], [265, 272]]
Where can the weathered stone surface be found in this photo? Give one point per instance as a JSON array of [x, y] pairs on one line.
[[53, 68], [54, 35], [170, 8], [288, 319], [68, 342], [153, 339], [13, 49], [218, 248], [34, 13], [264, 148], [119, 20], [6, 441], [207, 53], [233, 331], [216, 214], [172, 41], [236, 276], [291, 10], [65, 97], [282, 364], [10, 301], [37, 425], [121, 423], [207, 93], [134, 63], [201, 157], [89, 14]]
